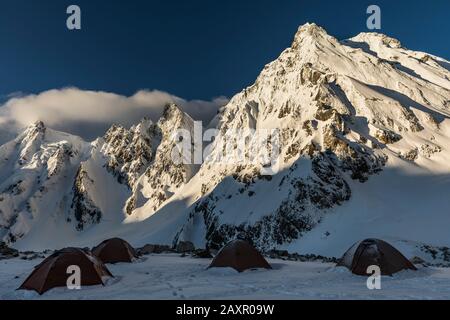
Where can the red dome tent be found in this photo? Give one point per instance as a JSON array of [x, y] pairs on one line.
[[52, 272], [374, 252], [239, 255], [115, 250]]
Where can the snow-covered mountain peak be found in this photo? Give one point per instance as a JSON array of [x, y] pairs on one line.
[[344, 112], [172, 110], [35, 175], [174, 118], [36, 126], [375, 38], [163, 177], [310, 30], [33, 132], [143, 126], [310, 37]]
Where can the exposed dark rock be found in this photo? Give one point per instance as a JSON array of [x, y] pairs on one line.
[[276, 254], [7, 252], [84, 209], [285, 255], [325, 113], [387, 136], [185, 246], [130, 151], [202, 254], [411, 155], [417, 260], [154, 248]]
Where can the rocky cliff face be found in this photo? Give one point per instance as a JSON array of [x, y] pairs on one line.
[[130, 151], [164, 176], [140, 160]]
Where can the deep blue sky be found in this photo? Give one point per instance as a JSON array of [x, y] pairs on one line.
[[192, 48]]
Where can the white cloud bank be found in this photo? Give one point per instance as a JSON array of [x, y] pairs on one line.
[[90, 113]]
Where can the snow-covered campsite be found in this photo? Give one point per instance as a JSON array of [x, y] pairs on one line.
[[169, 276], [357, 176], [184, 273]]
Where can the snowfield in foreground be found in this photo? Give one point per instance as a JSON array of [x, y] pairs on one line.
[[170, 276]]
